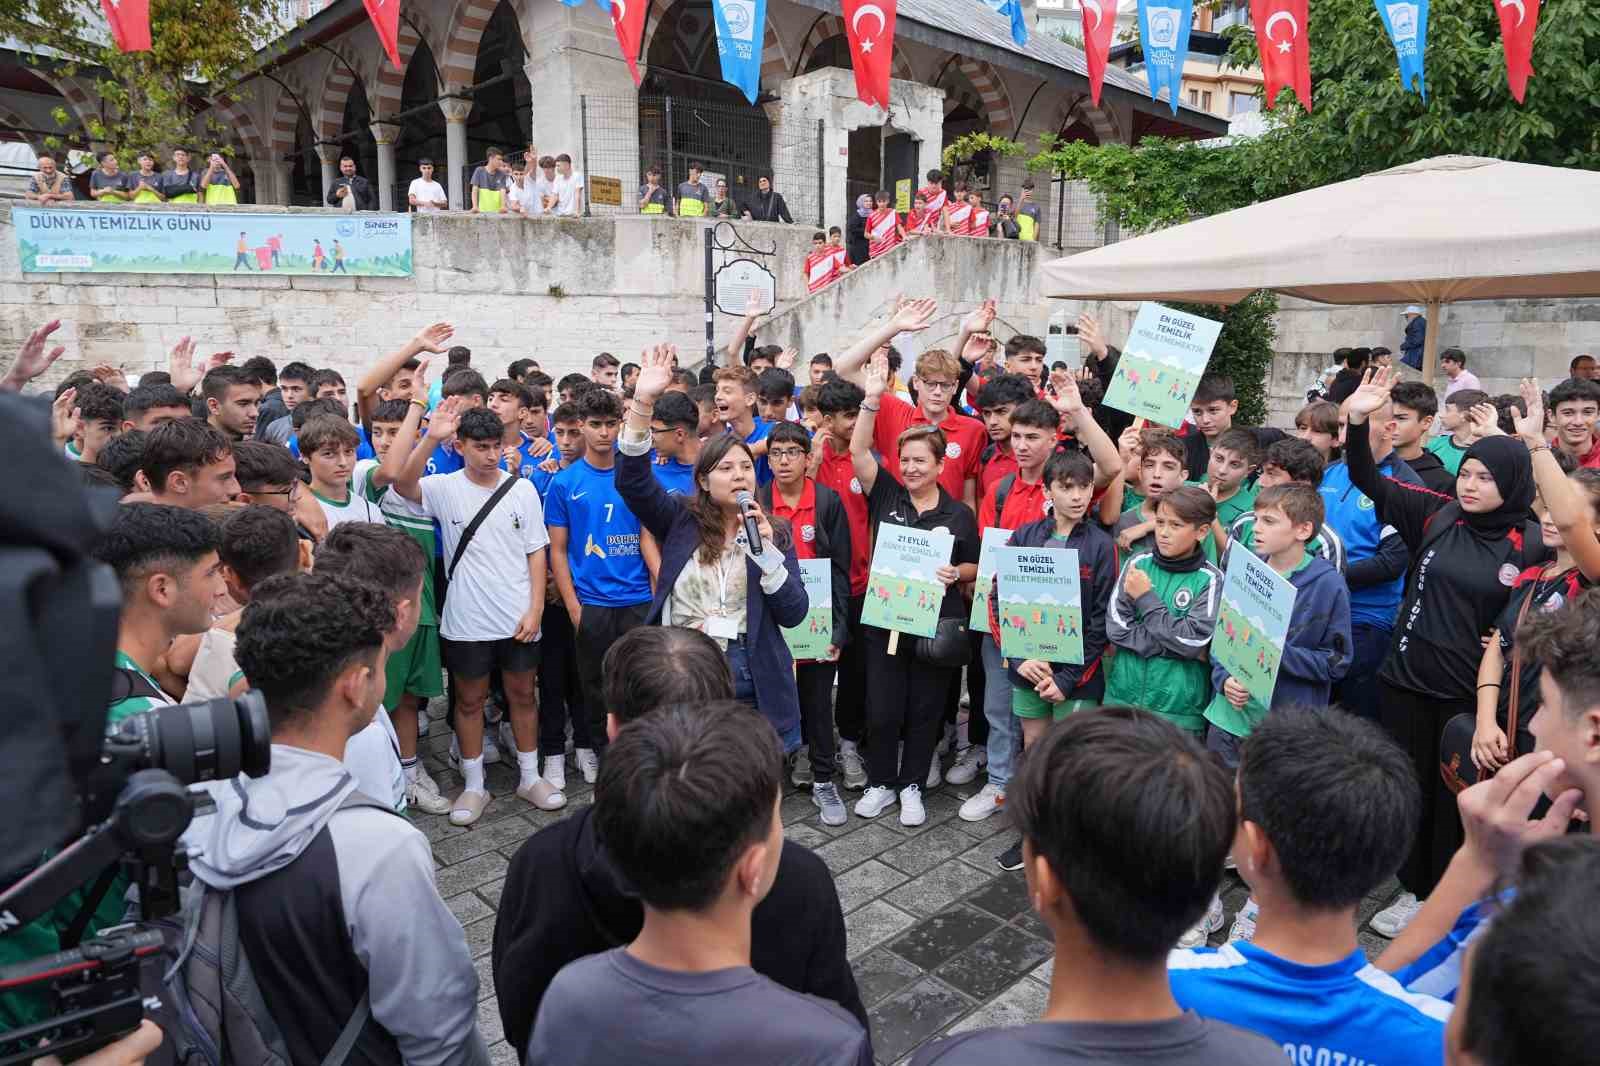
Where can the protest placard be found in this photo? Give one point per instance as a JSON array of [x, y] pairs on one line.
[[1252, 624], [1162, 362], [903, 589], [810, 639], [1041, 604]]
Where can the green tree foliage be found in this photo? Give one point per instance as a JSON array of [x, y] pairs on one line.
[[147, 99], [1363, 120], [1244, 348]]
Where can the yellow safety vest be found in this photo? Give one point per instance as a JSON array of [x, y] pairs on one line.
[[689, 207], [1027, 228], [221, 194], [145, 196], [187, 198], [489, 200]]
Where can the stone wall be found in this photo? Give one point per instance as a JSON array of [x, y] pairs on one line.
[[557, 291]]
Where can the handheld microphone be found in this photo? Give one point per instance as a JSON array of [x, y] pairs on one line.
[[752, 528]]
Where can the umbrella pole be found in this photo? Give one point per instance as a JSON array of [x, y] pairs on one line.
[[1430, 343]]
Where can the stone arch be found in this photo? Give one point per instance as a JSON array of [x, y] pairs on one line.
[[467, 23], [76, 94], [829, 26], [991, 90], [1082, 110], [774, 53], [285, 121], [391, 79], [18, 126], [243, 125], [337, 82]]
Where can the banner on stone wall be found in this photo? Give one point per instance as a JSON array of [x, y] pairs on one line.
[[151, 241]]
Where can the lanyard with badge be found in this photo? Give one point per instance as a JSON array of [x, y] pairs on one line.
[[719, 624]]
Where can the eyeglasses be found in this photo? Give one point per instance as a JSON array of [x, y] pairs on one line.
[[662, 429], [936, 386], [293, 491], [785, 453]]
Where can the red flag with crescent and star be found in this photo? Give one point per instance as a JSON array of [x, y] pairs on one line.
[[869, 26], [1285, 48], [627, 18], [130, 24], [1099, 20], [385, 16], [1518, 20]]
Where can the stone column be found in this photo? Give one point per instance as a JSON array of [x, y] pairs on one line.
[[455, 148], [385, 134], [281, 174], [572, 53], [328, 153]]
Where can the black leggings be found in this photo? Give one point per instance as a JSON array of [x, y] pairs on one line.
[[815, 682], [850, 707], [560, 696], [1416, 722]]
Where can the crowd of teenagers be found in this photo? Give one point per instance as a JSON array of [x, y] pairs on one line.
[[606, 563], [108, 183]]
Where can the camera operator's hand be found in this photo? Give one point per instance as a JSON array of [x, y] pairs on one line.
[[129, 1051]]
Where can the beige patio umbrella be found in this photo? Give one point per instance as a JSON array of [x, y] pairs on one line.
[[1432, 232]]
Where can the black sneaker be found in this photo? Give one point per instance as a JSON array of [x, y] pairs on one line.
[[1011, 858]]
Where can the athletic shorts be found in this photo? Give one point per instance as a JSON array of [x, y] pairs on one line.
[[480, 658], [1026, 703], [1224, 745], [414, 668]]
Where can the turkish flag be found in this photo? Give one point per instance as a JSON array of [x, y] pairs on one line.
[[1099, 20], [385, 16], [628, 21], [1518, 20], [130, 23], [869, 26], [1285, 48]]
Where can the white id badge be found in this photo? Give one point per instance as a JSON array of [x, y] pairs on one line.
[[722, 628]]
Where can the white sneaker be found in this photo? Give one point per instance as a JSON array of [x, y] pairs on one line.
[[968, 761], [988, 800], [1244, 924], [852, 768], [491, 752], [1197, 936], [555, 771], [423, 793], [1393, 919], [935, 778], [875, 800], [588, 764], [911, 810], [422, 720]]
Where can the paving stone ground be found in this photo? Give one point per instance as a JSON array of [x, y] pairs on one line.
[[941, 939]]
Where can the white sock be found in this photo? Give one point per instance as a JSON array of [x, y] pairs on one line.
[[472, 774], [555, 764], [412, 766], [527, 768]]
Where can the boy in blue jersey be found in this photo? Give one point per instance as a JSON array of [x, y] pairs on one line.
[[736, 407], [600, 555], [474, 392], [1328, 805], [673, 427], [566, 433], [510, 400], [1375, 565], [1125, 822]]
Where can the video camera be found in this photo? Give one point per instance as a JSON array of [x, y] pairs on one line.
[[88, 804]]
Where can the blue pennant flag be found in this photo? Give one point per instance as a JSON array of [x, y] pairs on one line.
[[1407, 23], [741, 29], [1164, 38], [603, 5], [1012, 9]]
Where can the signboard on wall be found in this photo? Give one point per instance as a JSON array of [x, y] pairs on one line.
[[902, 195], [186, 241], [735, 280], [606, 191]]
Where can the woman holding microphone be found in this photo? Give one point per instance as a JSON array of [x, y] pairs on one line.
[[726, 568]]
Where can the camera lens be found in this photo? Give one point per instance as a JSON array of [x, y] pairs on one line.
[[208, 741]]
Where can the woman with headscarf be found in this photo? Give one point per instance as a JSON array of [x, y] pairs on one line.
[[856, 230], [1466, 555]]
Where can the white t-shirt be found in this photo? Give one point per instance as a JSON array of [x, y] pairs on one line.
[[567, 193], [356, 508], [427, 192], [490, 590], [373, 758], [534, 189], [212, 672]]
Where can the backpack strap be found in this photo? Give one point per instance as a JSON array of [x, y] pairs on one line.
[[477, 520], [126, 684], [351, 1032], [1002, 492]]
